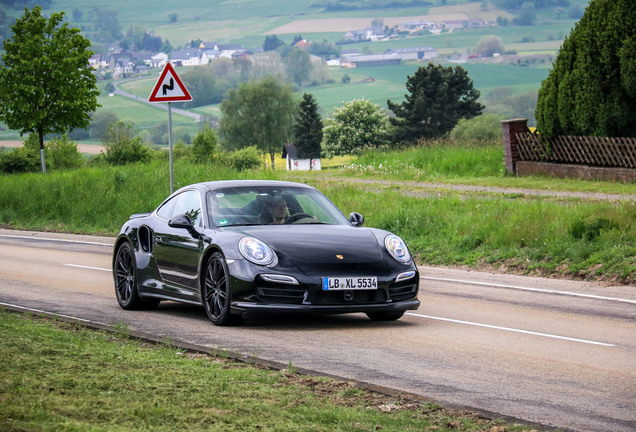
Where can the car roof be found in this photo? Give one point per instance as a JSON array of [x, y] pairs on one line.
[[223, 184]]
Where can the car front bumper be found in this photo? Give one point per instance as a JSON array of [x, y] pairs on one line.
[[249, 309]]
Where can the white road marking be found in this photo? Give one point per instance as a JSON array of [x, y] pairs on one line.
[[539, 290], [512, 330], [88, 267], [56, 240]]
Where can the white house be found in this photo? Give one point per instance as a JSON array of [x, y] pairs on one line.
[[189, 57], [415, 53], [157, 60], [295, 164]]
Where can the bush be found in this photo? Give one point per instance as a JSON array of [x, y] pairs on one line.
[[18, 160], [486, 127], [123, 146], [244, 159], [62, 153], [204, 145]]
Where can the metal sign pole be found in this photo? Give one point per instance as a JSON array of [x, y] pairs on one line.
[[170, 146], [169, 88]]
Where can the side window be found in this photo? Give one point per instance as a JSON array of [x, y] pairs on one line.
[[189, 203], [165, 211]]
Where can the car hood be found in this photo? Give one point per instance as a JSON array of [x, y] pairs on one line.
[[320, 244]]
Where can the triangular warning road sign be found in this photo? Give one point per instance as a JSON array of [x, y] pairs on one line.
[[169, 88]]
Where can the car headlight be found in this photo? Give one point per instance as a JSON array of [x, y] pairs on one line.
[[397, 248], [256, 251]]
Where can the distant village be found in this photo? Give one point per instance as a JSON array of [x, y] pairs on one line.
[[119, 62]]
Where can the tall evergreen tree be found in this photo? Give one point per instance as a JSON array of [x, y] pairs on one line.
[[308, 128], [591, 89], [438, 98], [47, 83]]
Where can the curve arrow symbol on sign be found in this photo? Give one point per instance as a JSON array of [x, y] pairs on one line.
[[167, 87]]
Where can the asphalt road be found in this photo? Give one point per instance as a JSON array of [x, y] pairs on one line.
[[556, 352]]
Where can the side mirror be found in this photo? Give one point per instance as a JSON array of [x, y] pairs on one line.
[[356, 219], [181, 221]]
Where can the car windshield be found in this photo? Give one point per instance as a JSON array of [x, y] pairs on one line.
[[264, 205]]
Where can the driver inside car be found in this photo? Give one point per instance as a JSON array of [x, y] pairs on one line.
[[277, 209]]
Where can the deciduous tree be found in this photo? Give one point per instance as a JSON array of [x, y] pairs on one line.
[[259, 113], [272, 43], [47, 83], [298, 66], [438, 98], [356, 126], [489, 45]]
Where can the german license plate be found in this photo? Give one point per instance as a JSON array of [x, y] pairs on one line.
[[350, 283]]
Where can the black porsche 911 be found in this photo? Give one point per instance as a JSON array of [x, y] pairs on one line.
[[247, 247]]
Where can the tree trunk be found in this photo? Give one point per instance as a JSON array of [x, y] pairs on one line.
[[273, 157]]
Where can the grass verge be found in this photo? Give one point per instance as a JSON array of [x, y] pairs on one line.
[[59, 376]]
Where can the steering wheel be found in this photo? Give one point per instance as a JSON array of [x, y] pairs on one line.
[[298, 216]]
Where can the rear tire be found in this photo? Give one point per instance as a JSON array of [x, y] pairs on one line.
[[217, 298], [125, 275], [385, 316]]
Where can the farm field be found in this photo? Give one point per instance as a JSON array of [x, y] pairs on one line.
[[247, 22], [376, 84]]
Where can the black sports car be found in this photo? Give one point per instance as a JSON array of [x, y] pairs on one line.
[[244, 248]]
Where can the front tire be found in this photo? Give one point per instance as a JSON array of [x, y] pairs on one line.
[[125, 275], [217, 298]]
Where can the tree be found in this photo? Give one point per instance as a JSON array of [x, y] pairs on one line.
[[356, 126], [489, 45], [272, 43], [527, 14], [106, 24], [100, 123], [204, 145], [259, 113], [438, 98], [591, 89], [47, 83], [298, 66], [203, 87], [324, 49], [308, 128]]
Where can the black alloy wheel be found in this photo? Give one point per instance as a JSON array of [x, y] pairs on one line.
[[216, 292], [124, 272]]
